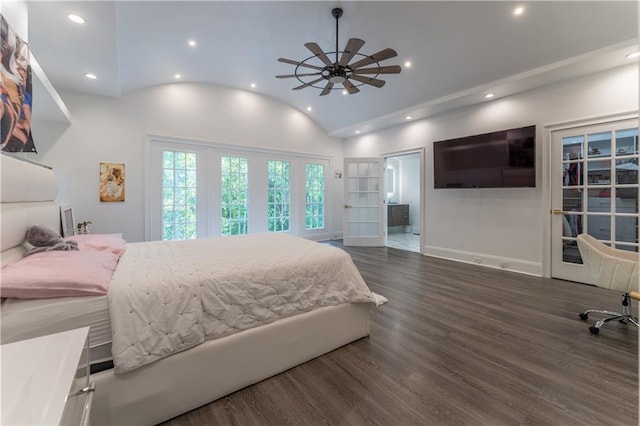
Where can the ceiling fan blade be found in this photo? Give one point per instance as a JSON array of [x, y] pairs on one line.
[[376, 57], [368, 80], [315, 49], [300, 64], [350, 50], [327, 89], [298, 75], [308, 84], [393, 69], [350, 87]]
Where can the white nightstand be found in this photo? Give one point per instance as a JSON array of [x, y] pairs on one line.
[[46, 380]]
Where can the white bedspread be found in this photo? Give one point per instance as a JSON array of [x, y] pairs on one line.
[[166, 297]]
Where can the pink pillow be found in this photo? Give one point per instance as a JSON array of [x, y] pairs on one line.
[[107, 242], [58, 274]]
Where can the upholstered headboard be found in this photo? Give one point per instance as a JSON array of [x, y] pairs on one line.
[[27, 191]]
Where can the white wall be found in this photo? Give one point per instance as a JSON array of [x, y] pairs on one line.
[[16, 14], [113, 130], [410, 188], [500, 224]]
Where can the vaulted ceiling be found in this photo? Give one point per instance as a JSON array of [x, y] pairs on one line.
[[459, 51]]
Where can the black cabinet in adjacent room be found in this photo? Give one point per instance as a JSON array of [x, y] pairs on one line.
[[398, 214]]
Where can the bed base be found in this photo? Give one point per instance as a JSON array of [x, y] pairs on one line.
[[197, 376]]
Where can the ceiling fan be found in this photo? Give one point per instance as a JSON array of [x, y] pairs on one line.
[[341, 71]]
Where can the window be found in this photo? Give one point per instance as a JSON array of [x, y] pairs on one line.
[[315, 196], [200, 189], [179, 218], [235, 195], [278, 193]]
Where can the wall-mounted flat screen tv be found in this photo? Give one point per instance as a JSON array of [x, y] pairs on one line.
[[504, 159]]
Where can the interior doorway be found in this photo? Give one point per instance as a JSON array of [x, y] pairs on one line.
[[403, 186]]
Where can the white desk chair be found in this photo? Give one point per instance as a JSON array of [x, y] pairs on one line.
[[610, 268]]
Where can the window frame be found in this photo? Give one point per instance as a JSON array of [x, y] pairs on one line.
[[175, 187], [324, 197], [247, 188], [280, 189], [209, 186]]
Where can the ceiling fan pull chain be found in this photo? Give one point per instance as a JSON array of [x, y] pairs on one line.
[[337, 12]]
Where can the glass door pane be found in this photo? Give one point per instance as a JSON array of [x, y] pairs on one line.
[[363, 219], [235, 195], [179, 199], [573, 165]]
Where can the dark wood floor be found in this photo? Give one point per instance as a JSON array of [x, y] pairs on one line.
[[456, 344]]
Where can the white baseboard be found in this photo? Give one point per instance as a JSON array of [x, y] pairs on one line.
[[496, 262]]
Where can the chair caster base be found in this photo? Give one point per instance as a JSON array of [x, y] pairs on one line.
[[625, 315]]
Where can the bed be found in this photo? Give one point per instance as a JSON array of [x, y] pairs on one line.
[[200, 361]]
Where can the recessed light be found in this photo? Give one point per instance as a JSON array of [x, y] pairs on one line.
[[344, 92], [489, 95], [76, 18], [253, 85], [633, 55], [518, 10], [408, 117], [357, 132], [91, 76], [407, 64], [178, 76], [308, 108], [192, 43]]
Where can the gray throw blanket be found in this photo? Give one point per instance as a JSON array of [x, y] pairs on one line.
[[46, 239]]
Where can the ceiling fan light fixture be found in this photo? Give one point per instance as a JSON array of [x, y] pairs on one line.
[[342, 72], [337, 78]]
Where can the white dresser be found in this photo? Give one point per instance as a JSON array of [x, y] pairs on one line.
[[45, 381]]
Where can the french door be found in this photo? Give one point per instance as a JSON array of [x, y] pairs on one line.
[[363, 223], [594, 190], [197, 190]]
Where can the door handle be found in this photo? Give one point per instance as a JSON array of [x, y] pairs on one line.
[[558, 211], [347, 206]]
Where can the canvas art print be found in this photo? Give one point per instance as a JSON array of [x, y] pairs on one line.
[[15, 92], [111, 182]]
